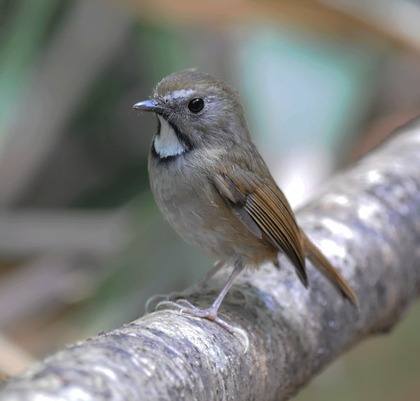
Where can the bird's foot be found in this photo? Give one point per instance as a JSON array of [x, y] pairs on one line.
[[153, 302], [186, 307], [174, 297]]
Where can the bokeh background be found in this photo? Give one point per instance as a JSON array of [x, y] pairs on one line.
[[82, 245]]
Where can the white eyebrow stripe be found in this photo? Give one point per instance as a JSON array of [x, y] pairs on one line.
[[179, 93]]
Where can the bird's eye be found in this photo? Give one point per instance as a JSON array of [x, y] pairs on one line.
[[196, 105]]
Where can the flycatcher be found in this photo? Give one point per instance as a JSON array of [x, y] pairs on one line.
[[213, 187]]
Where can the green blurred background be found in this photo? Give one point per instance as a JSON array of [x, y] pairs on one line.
[[82, 245]]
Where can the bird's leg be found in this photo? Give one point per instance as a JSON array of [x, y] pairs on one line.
[[214, 308], [211, 312], [155, 300]]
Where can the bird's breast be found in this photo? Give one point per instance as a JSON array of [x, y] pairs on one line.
[[189, 202]]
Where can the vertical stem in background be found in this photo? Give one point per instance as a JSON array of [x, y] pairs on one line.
[[22, 38], [88, 38]]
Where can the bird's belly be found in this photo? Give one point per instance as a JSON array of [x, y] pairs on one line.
[[198, 214]]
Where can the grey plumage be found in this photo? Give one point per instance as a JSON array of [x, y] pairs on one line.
[[212, 185]]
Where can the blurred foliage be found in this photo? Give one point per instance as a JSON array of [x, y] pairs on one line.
[[25, 26]]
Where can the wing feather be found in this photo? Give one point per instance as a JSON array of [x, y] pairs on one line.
[[263, 209]]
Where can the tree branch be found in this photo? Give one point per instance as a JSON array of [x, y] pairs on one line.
[[367, 221]]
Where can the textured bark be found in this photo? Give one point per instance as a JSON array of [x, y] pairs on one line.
[[367, 220]]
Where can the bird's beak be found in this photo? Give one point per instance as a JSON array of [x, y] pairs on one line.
[[148, 105]]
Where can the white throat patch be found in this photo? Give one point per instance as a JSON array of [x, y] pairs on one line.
[[166, 143]]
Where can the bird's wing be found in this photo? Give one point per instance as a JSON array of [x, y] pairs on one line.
[[264, 210]]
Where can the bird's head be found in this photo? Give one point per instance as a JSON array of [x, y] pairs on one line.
[[194, 110]]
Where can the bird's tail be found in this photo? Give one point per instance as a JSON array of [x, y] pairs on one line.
[[327, 269]]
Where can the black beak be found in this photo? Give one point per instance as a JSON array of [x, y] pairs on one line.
[[148, 105]]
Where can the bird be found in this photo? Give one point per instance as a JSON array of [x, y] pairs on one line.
[[213, 187]]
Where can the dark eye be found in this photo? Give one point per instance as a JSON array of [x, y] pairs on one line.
[[196, 105]]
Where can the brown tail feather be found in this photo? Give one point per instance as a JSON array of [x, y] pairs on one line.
[[325, 267]]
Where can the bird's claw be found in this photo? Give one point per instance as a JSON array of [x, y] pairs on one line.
[[181, 304], [153, 302], [187, 308]]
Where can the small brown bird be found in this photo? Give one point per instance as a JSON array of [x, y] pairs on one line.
[[213, 187]]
